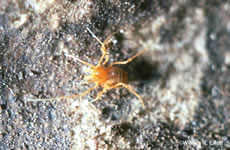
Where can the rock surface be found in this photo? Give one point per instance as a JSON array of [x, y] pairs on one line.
[[183, 77]]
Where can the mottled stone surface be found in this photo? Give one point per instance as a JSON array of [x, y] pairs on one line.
[[183, 77]]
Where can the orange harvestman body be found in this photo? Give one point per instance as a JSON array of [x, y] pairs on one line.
[[108, 77]]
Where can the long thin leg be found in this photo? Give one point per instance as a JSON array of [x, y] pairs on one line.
[[132, 91], [65, 97], [94, 36], [104, 54], [89, 90], [129, 60], [106, 42], [88, 78], [99, 95], [81, 61], [103, 48], [85, 63]]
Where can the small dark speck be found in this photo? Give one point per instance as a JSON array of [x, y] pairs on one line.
[[3, 106], [106, 112], [36, 72], [27, 146], [4, 134], [188, 131]]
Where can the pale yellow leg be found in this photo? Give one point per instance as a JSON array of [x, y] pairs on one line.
[[85, 63], [129, 60], [89, 90], [66, 97], [103, 49], [54, 98], [118, 85], [99, 95], [88, 78], [102, 56], [132, 91]]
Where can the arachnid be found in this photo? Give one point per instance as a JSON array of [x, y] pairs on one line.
[[106, 76]]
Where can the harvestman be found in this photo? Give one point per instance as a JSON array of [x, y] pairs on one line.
[[108, 77]]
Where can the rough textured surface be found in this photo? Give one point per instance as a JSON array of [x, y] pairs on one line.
[[183, 77]]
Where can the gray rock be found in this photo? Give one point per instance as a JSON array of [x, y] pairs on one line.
[[183, 77]]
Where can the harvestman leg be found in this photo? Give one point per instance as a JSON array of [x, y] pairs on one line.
[[129, 60], [131, 90], [103, 48], [106, 42], [115, 86], [88, 78], [81, 61], [65, 97], [99, 95], [85, 63], [88, 91]]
